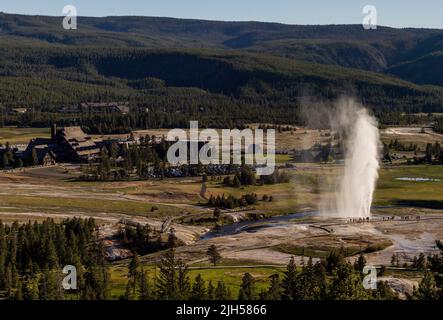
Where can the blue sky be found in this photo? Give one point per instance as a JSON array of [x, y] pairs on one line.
[[396, 13]]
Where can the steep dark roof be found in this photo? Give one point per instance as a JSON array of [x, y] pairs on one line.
[[38, 144], [79, 142]]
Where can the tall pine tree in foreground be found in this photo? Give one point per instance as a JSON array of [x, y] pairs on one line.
[[289, 281], [173, 281]]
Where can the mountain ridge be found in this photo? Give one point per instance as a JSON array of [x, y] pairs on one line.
[[344, 45], [175, 65]]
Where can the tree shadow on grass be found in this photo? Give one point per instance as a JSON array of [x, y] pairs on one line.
[[429, 204]]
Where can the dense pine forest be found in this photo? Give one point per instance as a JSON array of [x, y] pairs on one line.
[[218, 87], [246, 88], [33, 255], [222, 74]]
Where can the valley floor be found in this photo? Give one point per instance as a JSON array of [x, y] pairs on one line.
[[262, 248]]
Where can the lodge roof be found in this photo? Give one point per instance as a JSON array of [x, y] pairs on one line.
[[80, 142]]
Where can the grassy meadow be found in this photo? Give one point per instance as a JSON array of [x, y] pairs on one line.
[[54, 190], [231, 275], [428, 194], [22, 135]]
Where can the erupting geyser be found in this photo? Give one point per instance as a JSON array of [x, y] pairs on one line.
[[362, 146]]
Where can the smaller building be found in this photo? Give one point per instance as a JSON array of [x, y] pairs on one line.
[[319, 153], [45, 156], [117, 107], [19, 110], [44, 151], [307, 156]]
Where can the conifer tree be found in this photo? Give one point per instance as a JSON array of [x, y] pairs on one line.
[[289, 281], [211, 291], [221, 292], [198, 289], [145, 293], [213, 254], [134, 272], [273, 292], [427, 289], [247, 288], [346, 284], [173, 281]]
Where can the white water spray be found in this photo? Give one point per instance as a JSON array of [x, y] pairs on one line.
[[354, 196]]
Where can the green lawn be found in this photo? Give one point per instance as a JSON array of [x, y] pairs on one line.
[[231, 276], [62, 204], [323, 249], [22, 135], [415, 193], [283, 158]]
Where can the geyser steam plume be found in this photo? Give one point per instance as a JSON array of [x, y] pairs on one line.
[[362, 146]]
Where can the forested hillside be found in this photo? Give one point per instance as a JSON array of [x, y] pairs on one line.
[[426, 69], [344, 45], [221, 73]]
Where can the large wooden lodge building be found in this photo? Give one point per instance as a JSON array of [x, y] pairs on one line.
[[66, 144]]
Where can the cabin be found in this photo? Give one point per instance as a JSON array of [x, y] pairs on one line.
[[18, 111], [319, 154], [307, 156]]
